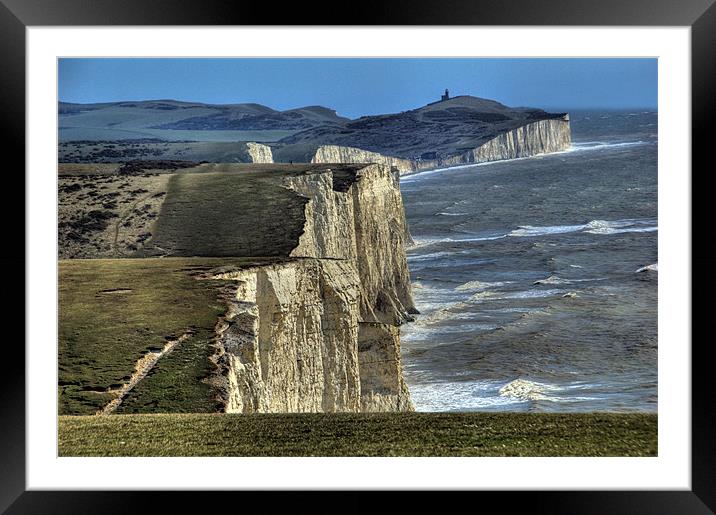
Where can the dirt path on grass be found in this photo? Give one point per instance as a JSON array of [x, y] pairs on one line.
[[141, 369]]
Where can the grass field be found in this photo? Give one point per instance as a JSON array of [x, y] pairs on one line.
[[114, 311], [361, 434], [101, 133], [216, 214]]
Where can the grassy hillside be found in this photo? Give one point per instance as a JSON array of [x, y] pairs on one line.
[[447, 128], [114, 311], [175, 120], [76, 134], [216, 213], [361, 434]]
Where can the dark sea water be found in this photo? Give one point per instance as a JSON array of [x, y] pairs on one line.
[[525, 274]]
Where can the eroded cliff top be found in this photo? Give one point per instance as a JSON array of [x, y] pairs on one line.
[[446, 128], [210, 209]]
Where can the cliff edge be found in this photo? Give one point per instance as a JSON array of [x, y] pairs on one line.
[[314, 278]]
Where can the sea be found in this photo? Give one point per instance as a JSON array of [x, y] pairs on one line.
[[536, 278]]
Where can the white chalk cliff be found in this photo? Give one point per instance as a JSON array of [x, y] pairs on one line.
[[540, 137], [319, 332]]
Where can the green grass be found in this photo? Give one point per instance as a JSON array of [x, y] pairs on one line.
[[103, 332], [347, 434], [217, 214], [215, 209], [67, 133]]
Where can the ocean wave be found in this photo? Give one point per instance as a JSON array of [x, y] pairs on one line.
[[528, 294], [415, 176], [481, 238], [605, 227], [444, 213], [459, 396], [654, 267], [533, 294], [449, 312], [422, 242], [619, 226], [525, 390], [432, 255], [576, 147], [479, 285], [598, 145], [552, 279], [495, 394], [531, 230]]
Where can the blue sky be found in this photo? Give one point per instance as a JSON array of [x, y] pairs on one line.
[[356, 87]]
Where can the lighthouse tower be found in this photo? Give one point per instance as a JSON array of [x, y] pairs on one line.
[[446, 96]]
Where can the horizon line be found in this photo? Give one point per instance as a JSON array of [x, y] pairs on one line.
[[556, 108]]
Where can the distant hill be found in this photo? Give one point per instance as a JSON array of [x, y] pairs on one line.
[[446, 127], [176, 120], [438, 130]]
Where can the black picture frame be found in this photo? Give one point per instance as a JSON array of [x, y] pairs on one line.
[[16, 15]]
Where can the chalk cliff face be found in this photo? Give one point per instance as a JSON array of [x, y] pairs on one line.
[[340, 154], [319, 333], [312, 324], [259, 153], [289, 341], [362, 220], [540, 137]]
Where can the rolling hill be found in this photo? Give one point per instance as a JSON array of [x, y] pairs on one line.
[[174, 120], [447, 127]]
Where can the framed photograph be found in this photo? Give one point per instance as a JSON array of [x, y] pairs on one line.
[[446, 247]]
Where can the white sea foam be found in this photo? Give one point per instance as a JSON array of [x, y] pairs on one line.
[[620, 226], [479, 285], [532, 294], [552, 279], [444, 213], [528, 294], [654, 267], [525, 390], [576, 147], [531, 230], [441, 311], [493, 394], [462, 396], [426, 257], [604, 227], [598, 145], [481, 238], [422, 242]]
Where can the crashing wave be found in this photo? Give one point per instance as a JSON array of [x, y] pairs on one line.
[[552, 279], [593, 227], [619, 226], [444, 213], [478, 286], [526, 390], [531, 230], [654, 267]]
